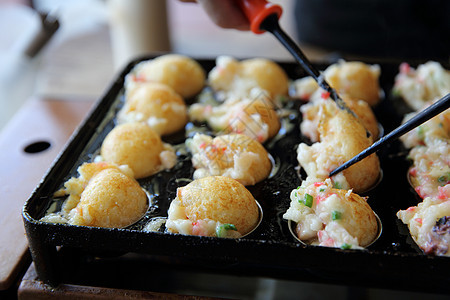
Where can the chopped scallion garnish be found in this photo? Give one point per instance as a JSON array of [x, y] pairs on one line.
[[421, 132], [221, 230], [444, 179], [336, 215], [308, 200], [346, 246]]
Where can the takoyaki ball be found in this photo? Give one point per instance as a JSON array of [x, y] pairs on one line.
[[355, 79], [104, 195], [213, 206], [430, 172], [341, 137], [429, 224], [182, 73], [252, 116], [156, 104], [331, 217], [111, 199], [139, 147], [303, 88], [435, 129], [310, 114], [240, 77], [427, 83], [232, 155]]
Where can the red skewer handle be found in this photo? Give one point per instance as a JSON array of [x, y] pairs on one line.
[[257, 11]]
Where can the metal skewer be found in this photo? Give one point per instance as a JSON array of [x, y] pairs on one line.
[[263, 16], [271, 25], [423, 116]]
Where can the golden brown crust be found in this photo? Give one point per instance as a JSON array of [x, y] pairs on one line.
[[363, 223], [135, 145], [239, 143], [220, 199], [355, 79], [157, 104], [111, 199], [268, 115], [346, 135], [267, 74], [311, 115], [365, 114], [182, 73], [240, 77]]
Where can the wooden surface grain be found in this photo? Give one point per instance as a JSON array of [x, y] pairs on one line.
[[39, 120]]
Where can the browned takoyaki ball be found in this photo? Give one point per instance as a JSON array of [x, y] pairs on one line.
[[103, 195], [311, 115], [156, 104], [111, 199], [341, 137], [139, 147], [206, 203], [185, 75], [240, 77], [355, 79]]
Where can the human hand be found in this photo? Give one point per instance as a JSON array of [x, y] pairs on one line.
[[224, 13]]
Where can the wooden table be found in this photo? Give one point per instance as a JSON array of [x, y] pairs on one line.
[[24, 160]]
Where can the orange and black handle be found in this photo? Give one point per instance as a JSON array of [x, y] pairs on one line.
[[257, 11]]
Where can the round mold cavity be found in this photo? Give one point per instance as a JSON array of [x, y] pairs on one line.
[[160, 221], [143, 215], [292, 224]]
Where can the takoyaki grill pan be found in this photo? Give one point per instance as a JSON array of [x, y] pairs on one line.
[[393, 261]]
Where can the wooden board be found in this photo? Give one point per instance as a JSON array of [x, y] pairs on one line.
[[39, 120]]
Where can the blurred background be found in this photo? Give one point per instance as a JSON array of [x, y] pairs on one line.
[[95, 39]]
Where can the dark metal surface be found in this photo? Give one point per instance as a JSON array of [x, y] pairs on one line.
[[393, 261]]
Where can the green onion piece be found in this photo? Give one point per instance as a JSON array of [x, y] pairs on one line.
[[421, 132], [396, 92], [283, 99], [221, 230], [337, 185], [444, 179], [336, 215], [308, 200], [322, 190], [346, 246]]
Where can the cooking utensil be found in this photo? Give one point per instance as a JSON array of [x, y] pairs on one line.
[[77, 254], [423, 116], [263, 16]]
